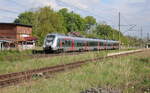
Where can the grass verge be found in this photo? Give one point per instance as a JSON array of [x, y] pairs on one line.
[[129, 74], [16, 61]]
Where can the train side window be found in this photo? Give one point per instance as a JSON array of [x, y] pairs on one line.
[[93, 43], [109, 44], [63, 43], [75, 43], [58, 43], [78, 43], [96, 43], [82, 43], [68, 43], [101, 43]]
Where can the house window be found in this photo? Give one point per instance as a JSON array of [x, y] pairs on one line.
[[24, 35]]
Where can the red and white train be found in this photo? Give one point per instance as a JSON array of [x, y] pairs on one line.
[[60, 43]]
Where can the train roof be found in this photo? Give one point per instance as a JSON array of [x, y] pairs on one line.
[[82, 38]]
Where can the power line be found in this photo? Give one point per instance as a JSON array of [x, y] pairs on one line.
[[21, 5], [6, 17], [125, 20], [141, 32], [119, 21], [148, 35], [70, 5], [9, 11]]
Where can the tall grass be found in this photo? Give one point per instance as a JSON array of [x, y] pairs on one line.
[[14, 55], [127, 74], [15, 61], [16, 66]]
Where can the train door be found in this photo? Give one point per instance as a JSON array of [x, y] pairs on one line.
[[112, 45], [63, 45], [85, 45], [73, 45], [98, 47], [105, 45], [101, 44], [60, 43]]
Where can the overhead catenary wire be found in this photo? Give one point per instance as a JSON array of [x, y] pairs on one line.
[[18, 4], [86, 11], [8, 11]]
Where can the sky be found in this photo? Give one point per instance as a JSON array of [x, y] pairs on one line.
[[135, 14]]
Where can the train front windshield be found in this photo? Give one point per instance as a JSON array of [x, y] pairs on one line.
[[50, 39]]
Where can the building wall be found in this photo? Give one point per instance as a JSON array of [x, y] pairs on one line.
[[7, 31], [16, 33], [23, 32], [27, 45]]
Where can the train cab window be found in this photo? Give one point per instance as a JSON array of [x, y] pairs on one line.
[[58, 43], [50, 38]]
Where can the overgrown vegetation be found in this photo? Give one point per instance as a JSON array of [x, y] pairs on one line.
[[46, 20], [14, 55], [128, 74], [26, 63], [14, 61]]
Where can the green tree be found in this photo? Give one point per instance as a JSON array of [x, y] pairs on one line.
[[90, 21], [25, 18], [103, 31], [48, 21], [72, 21], [107, 32]]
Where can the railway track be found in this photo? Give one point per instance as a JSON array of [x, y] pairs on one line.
[[53, 55], [18, 77]]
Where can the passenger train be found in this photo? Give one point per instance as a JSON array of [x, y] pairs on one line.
[[60, 43]]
